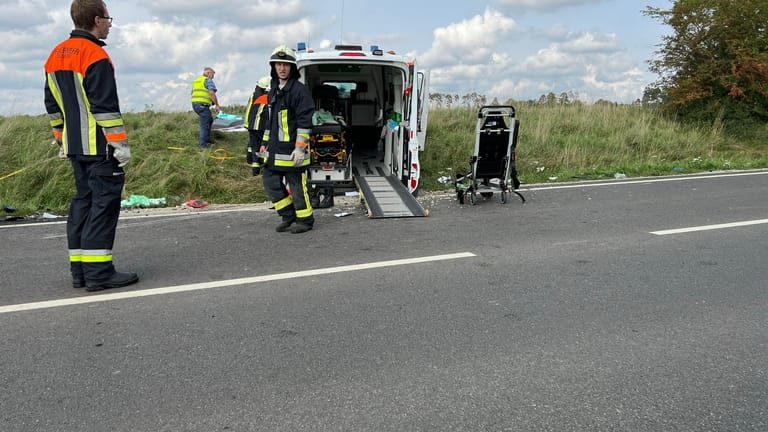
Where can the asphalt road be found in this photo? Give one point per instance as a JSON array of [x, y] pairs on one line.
[[577, 311]]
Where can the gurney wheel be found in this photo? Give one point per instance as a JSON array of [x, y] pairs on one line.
[[472, 197], [504, 197]]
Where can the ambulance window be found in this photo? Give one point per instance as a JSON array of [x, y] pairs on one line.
[[345, 88]]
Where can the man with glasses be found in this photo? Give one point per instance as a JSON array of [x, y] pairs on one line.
[[84, 112], [203, 98]]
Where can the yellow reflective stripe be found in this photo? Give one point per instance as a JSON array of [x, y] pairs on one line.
[[56, 119], [96, 256], [284, 132], [307, 212], [109, 120], [75, 255], [86, 118], [257, 126], [283, 203], [302, 214], [288, 163]]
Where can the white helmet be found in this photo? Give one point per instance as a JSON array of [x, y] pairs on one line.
[[264, 82], [283, 54]]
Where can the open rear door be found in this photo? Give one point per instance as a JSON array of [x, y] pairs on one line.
[[422, 79], [418, 110]]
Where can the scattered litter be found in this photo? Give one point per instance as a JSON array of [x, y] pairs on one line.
[[142, 201], [351, 193], [342, 214], [196, 203], [8, 209], [540, 169], [47, 215], [619, 175], [444, 180], [678, 169], [552, 178]]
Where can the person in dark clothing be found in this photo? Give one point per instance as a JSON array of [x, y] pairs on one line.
[[256, 118], [287, 143], [84, 112]]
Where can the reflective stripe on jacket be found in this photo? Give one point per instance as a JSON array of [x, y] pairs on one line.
[[81, 96], [290, 122], [257, 111], [199, 92]]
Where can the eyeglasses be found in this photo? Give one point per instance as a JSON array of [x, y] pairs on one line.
[[107, 18]]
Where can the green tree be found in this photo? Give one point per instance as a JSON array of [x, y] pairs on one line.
[[714, 66]]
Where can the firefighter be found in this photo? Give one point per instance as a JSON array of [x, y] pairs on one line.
[[287, 143], [83, 109], [256, 118]]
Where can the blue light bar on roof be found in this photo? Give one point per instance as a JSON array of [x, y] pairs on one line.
[[301, 47]]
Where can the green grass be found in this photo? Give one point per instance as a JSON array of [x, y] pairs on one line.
[[566, 142]]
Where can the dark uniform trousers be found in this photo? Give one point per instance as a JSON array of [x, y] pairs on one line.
[[93, 215], [293, 206]]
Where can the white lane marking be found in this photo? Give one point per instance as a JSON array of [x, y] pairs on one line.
[[643, 181], [710, 227], [226, 283]]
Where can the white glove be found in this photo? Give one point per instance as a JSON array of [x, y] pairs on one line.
[[57, 142], [297, 155], [122, 153]]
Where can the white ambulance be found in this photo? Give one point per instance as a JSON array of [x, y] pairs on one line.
[[370, 124]]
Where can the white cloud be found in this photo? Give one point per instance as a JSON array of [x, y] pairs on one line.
[[589, 42], [158, 47], [234, 11], [470, 40], [545, 4]]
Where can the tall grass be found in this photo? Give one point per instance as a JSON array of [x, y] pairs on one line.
[[556, 143], [572, 142]]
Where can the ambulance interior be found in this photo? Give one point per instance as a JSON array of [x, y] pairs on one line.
[[362, 98]]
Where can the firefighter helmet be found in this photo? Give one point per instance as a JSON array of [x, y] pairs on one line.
[[264, 82], [283, 54]]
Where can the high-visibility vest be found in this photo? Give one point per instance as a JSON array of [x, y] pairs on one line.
[[199, 92]]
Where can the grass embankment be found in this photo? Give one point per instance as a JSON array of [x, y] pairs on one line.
[[566, 142]]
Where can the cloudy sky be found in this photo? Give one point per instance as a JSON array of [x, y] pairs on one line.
[[520, 49]]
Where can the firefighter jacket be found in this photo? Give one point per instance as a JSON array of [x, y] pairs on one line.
[[290, 122], [200, 93], [257, 113], [81, 96]]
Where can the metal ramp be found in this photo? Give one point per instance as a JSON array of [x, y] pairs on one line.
[[384, 195]]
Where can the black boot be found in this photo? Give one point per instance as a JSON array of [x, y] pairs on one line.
[[284, 225], [117, 280], [300, 228]]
